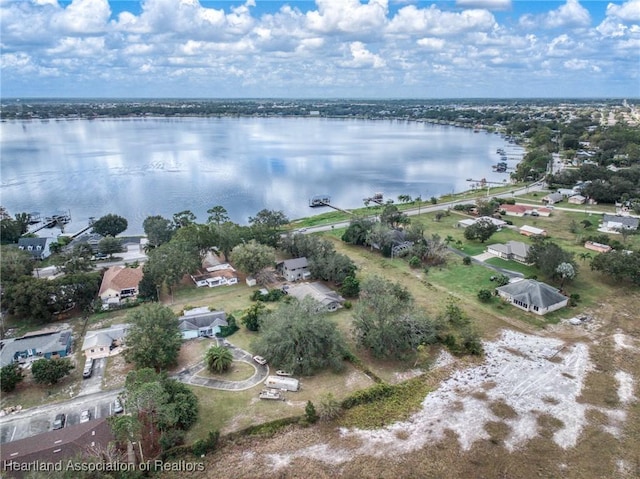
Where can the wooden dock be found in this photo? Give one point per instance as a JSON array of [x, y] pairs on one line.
[[50, 222]]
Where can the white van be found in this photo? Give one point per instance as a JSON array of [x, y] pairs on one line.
[[88, 369]]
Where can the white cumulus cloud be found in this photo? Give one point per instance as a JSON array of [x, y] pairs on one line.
[[569, 15]]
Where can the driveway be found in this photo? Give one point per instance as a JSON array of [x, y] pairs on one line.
[[189, 376], [483, 256], [94, 383]]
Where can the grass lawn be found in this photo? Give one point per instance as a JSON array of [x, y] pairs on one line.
[[512, 266]]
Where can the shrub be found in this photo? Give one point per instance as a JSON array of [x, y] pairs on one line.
[[330, 407], [574, 299], [466, 260], [232, 327], [171, 438], [484, 295], [414, 262], [502, 280], [310, 413], [347, 305], [367, 395], [203, 446]]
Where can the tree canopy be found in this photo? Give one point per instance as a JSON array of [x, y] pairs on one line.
[[110, 225], [160, 410], [154, 339], [50, 371], [159, 230], [299, 337], [481, 230], [387, 323], [253, 257], [547, 256]]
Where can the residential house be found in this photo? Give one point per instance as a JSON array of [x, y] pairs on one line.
[[119, 284], [534, 296], [36, 345], [294, 269], [318, 291], [566, 192], [91, 239], [599, 247], [38, 248], [515, 210], [541, 212], [90, 439], [552, 198], [613, 223], [212, 276], [511, 250], [101, 343], [577, 200], [527, 230], [468, 222], [200, 322]]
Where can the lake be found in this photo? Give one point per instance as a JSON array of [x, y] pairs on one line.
[[159, 166]]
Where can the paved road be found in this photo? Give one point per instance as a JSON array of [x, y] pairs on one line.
[[437, 207], [189, 375], [39, 419]]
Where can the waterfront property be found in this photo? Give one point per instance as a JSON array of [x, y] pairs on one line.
[[38, 248], [34, 346], [534, 296]]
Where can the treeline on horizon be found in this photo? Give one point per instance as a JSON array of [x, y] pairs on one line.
[[484, 111]]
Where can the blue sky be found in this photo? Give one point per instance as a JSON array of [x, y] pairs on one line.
[[320, 48]]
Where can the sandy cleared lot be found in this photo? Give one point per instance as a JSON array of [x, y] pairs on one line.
[[523, 378]]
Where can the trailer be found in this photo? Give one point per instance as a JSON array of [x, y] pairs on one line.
[[272, 394], [279, 382]]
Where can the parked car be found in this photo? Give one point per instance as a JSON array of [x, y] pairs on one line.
[[88, 369], [59, 421], [117, 406], [260, 360], [279, 372], [85, 416]]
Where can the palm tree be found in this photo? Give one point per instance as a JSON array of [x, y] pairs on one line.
[[218, 359], [449, 239], [584, 256]]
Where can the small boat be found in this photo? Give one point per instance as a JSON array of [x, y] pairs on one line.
[[319, 200], [283, 373]]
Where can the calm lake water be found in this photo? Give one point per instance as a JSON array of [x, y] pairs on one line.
[[157, 166]]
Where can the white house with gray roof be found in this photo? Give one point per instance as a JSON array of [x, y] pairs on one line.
[[613, 223], [38, 248], [101, 343], [200, 322], [318, 291], [512, 250], [294, 269], [534, 296]]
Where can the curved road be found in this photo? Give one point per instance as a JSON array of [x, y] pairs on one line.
[[189, 376]]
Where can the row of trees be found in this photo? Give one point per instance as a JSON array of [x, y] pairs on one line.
[[298, 336]]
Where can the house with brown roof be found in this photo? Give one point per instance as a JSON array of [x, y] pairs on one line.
[[119, 284], [88, 440]]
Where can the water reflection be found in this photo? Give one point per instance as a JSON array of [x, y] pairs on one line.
[[141, 167]]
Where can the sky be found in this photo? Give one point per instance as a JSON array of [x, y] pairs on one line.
[[319, 49]]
